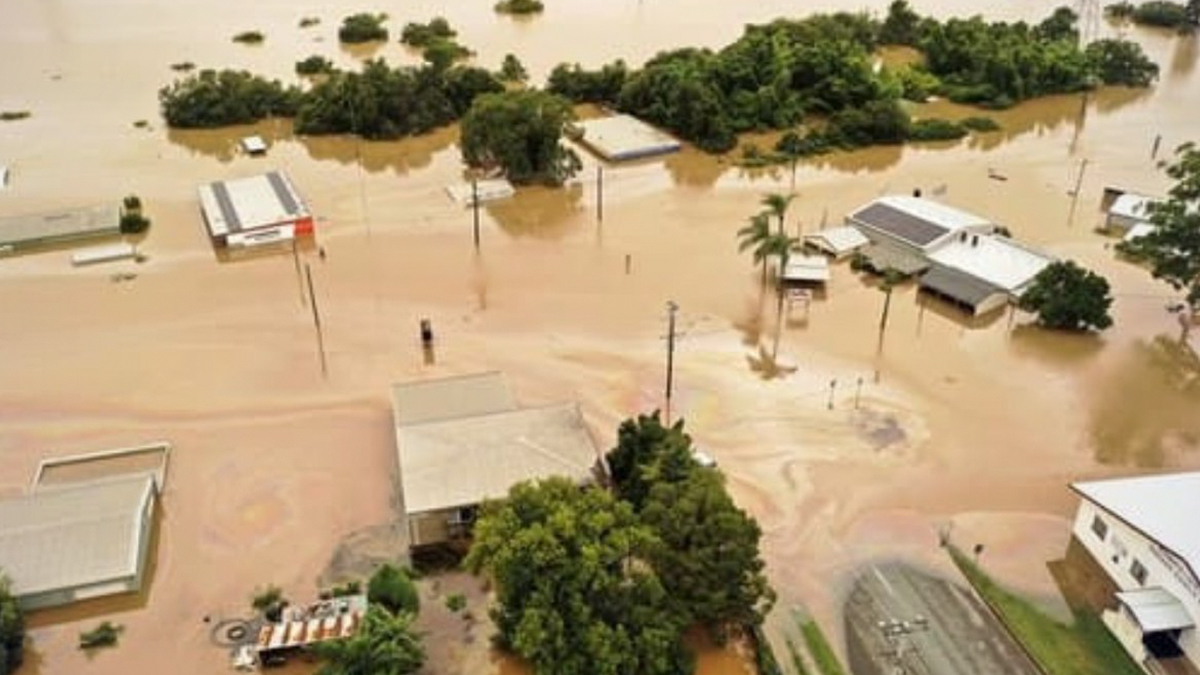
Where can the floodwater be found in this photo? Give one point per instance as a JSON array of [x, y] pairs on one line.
[[846, 445]]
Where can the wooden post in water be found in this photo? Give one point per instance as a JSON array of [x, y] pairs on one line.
[[599, 193], [1154, 150]]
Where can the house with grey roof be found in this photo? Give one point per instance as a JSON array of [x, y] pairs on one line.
[[1141, 543], [79, 540], [463, 440]]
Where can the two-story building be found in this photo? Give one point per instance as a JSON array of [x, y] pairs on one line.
[[1143, 536]]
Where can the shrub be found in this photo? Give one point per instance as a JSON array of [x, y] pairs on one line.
[[917, 84], [423, 34], [519, 6], [183, 66], [250, 37], [391, 587], [363, 27], [12, 629], [134, 223], [512, 70], [456, 602], [141, 124], [1120, 10], [980, 124], [132, 203], [213, 99], [441, 53], [348, 588], [309, 21], [935, 129], [1161, 13], [14, 115], [269, 602], [104, 635], [314, 65]]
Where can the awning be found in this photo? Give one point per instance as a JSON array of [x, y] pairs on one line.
[[807, 269], [960, 286], [882, 258], [1155, 609]]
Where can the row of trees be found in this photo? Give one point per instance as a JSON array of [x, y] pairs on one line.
[[591, 581], [779, 74]]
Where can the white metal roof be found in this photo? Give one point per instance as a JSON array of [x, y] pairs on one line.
[[463, 461], [97, 254], [998, 260], [254, 144], [807, 268], [838, 240], [1133, 206], [1155, 609], [451, 397], [1163, 507], [621, 137], [935, 212], [488, 190], [84, 533], [1138, 231], [249, 203]]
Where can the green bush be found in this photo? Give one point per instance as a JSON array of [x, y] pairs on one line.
[[423, 34], [1121, 62], [1120, 10], [250, 37], [391, 587], [104, 635], [348, 588], [519, 6], [314, 65], [213, 99], [456, 602], [584, 86], [309, 21], [269, 602], [183, 66], [14, 115], [980, 124], [1161, 13], [132, 203], [134, 223], [512, 70], [917, 84], [363, 27], [935, 129]]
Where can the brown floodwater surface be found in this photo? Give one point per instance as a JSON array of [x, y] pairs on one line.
[[846, 445]]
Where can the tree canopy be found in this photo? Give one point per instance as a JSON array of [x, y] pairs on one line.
[[392, 588], [213, 98], [647, 452], [573, 597], [1173, 247], [12, 629], [1069, 297], [384, 644], [363, 27], [519, 133]]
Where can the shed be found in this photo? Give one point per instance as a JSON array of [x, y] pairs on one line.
[[969, 292], [1128, 211], [486, 190], [18, 232], [254, 145], [838, 242], [806, 270], [252, 211], [78, 541], [619, 138]]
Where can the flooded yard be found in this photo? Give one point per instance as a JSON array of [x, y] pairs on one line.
[[940, 419]]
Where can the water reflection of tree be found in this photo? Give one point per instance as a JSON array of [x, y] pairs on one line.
[[223, 144], [537, 211], [693, 168], [1183, 57], [1044, 115], [400, 156], [1145, 411], [1057, 349]]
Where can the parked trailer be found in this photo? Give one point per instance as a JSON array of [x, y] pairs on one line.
[[103, 254]]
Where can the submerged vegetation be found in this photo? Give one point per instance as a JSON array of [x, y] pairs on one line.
[[314, 65], [250, 37], [14, 115], [519, 132], [363, 27], [1158, 13], [519, 6], [104, 635], [818, 72], [309, 21], [12, 629]]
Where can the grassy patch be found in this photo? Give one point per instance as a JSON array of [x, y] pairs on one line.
[[818, 647], [1084, 647], [519, 6]]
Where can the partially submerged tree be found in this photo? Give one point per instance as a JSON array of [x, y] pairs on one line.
[[1068, 297], [104, 635], [648, 452], [777, 204], [12, 629], [363, 27], [269, 602], [1173, 247], [392, 588], [519, 133], [383, 644], [574, 594], [512, 70]]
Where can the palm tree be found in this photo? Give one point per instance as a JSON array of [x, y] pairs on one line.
[[754, 236], [777, 205], [781, 245]]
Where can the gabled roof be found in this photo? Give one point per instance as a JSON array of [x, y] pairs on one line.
[[959, 285], [914, 220], [994, 259], [462, 461], [838, 240], [79, 534], [1162, 507]]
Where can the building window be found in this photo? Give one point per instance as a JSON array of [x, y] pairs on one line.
[[1099, 527], [1138, 572]]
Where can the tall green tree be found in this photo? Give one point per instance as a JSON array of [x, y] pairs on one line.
[[1173, 247], [753, 237], [901, 25], [781, 246], [574, 595], [708, 561], [1068, 297], [512, 70], [383, 644], [647, 453], [12, 629], [519, 133], [777, 204]]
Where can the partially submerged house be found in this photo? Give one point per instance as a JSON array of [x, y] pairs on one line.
[[463, 440], [78, 540], [1137, 538], [254, 211], [964, 259]]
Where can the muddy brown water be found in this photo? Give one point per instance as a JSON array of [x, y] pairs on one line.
[[976, 423]]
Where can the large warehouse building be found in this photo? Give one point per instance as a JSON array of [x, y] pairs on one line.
[[39, 229], [254, 211], [78, 541]]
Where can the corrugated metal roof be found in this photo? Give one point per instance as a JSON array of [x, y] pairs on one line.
[[451, 397], [84, 533], [1155, 609], [915, 220], [807, 268], [958, 285], [886, 257], [624, 137], [838, 240], [65, 224], [463, 461], [250, 203], [1163, 507]]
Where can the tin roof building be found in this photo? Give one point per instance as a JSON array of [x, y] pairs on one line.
[[254, 211], [25, 231], [65, 543]]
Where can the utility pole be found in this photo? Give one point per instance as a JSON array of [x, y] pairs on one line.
[[475, 208], [857, 392], [832, 387], [1075, 193], [599, 193], [671, 309], [316, 320]]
